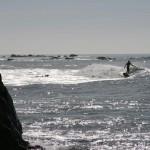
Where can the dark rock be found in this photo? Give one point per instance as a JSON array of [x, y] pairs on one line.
[[10, 59], [13, 55], [10, 126], [69, 58], [73, 55], [105, 58], [30, 55], [101, 58], [54, 57], [46, 75]]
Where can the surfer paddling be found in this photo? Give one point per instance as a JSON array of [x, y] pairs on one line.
[[128, 64]]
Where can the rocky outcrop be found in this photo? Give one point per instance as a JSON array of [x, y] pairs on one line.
[[10, 126], [30, 55], [73, 55], [105, 58]]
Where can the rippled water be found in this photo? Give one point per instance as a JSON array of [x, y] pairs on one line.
[[70, 108]]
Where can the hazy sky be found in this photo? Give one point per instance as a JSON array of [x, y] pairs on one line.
[[74, 26]]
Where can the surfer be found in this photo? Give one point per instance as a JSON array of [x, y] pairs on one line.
[[128, 66]]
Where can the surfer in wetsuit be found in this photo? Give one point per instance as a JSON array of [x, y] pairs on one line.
[[128, 66]]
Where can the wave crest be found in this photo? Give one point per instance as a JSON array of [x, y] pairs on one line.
[[101, 71]]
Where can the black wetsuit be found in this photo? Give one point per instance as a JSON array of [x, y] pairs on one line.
[[128, 67]]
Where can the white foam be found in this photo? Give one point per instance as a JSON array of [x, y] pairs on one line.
[[109, 72], [93, 72], [101, 71], [20, 77]]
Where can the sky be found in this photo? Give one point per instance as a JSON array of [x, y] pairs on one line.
[[74, 26]]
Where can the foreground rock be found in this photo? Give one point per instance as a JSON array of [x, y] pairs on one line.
[[10, 126]]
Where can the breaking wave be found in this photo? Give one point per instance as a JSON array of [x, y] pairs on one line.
[[102, 71]]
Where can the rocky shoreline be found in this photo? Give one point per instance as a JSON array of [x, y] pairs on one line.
[[10, 125]]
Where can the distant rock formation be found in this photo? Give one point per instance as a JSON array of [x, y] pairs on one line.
[[30, 55], [10, 126], [73, 55], [105, 58]]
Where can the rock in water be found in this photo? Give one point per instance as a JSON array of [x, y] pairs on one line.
[[10, 126]]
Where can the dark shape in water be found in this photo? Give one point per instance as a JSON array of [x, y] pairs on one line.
[[105, 58], [73, 55]]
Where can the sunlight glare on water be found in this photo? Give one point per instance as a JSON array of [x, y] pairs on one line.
[[82, 104]]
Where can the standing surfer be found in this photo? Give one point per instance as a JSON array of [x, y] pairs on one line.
[[128, 66]]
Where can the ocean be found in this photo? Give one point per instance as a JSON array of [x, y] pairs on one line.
[[81, 103]]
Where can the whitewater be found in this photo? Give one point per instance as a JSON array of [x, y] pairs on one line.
[[82, 103]]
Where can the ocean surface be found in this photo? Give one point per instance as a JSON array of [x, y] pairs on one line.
[[82, 103]]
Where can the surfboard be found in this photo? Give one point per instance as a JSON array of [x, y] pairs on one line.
[[125, 74]]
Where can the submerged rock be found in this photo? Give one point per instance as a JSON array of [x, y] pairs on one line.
[[10, 126]]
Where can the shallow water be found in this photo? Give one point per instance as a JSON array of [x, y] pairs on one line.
[[82, 103]]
